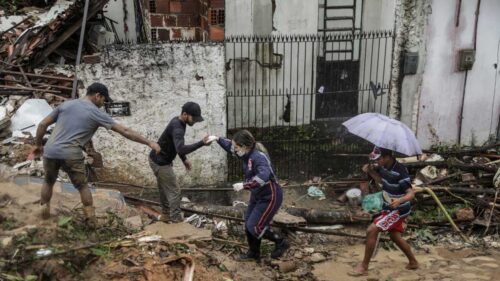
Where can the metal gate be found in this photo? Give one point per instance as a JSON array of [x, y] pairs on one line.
[[293, 93]]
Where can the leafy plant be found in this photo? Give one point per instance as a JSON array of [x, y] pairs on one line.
[[63, 221], [9, 223]]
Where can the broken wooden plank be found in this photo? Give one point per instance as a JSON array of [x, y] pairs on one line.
[[29, 89], [40, 84], [38, 75], [438, 180]]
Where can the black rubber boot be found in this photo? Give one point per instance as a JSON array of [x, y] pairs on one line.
[[254, 248], [280, 243]]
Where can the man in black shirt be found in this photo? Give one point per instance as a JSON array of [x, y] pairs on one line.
[[172, 143]]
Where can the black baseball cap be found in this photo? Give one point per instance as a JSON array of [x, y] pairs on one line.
[[194, 110], [99, 88]]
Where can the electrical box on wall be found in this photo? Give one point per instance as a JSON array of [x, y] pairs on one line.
[[118, 108], [466, 58], [410, 63]]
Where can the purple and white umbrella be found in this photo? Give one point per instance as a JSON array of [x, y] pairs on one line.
[[384, 132]]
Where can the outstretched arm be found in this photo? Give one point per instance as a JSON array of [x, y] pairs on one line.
[[226, 144], [134, 136]]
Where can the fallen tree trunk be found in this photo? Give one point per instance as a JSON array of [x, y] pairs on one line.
[[328, 217], [312, 216]]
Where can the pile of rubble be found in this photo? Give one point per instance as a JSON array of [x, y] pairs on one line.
[[38, 47], [466, 182], [34, 34]]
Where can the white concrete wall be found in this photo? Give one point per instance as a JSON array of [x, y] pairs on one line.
[[157, 79], [250, 80], [248, 17], [482, 100], [378, 14], [296, 17], [443, 85], [122, 11]]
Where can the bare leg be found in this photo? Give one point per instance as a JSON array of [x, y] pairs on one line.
[[371, 241], [46, 193], [405, 247], [86, 195]]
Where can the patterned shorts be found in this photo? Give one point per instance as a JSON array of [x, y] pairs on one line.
[[390, 221]]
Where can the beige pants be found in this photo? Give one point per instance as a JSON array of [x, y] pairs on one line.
[[170, 193]]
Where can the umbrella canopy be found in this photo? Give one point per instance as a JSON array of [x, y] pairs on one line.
[[384, 132]]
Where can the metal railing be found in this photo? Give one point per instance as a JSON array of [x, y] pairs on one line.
[[293, 94]]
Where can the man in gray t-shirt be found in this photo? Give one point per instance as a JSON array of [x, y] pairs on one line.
[[76, 122]]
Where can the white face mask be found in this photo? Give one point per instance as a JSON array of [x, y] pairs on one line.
[[240, 153]]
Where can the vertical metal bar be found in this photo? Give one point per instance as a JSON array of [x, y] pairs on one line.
[[371, 67], [313, 70], [376, 74], [245, 91], [364, 70], [297, 83], [275, 92], [291, 73], [227, 92], [258, 92], [242, 93], [80, 46], [383, 71], [234, 83], [393, 32], [283, 77], [249, 89], [304, 82], [271, 61], [325, 2]]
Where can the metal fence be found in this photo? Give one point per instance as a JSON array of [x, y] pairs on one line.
[[293, 92]]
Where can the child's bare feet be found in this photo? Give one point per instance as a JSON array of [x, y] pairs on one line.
[[359, 270], [412, 265]]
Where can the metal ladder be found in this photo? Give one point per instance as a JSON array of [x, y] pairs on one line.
[[343, 22]]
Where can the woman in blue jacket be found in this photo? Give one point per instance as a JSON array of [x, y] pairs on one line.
[[266, 194]]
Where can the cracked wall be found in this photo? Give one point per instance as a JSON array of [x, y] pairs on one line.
[[157, 79]]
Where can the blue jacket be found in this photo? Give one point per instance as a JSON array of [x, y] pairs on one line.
[[257, 168]]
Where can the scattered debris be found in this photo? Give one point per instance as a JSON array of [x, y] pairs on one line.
[[316, 192]]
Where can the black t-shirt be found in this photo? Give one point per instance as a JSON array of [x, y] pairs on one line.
[[172, 143]]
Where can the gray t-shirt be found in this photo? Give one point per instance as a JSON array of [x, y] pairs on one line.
[[76, 123]]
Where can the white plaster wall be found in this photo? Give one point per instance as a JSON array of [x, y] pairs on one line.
[[296, 17], [378, 14], [239, 17], [115, 11], [157, 79], [443, 85], [482, 100]]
